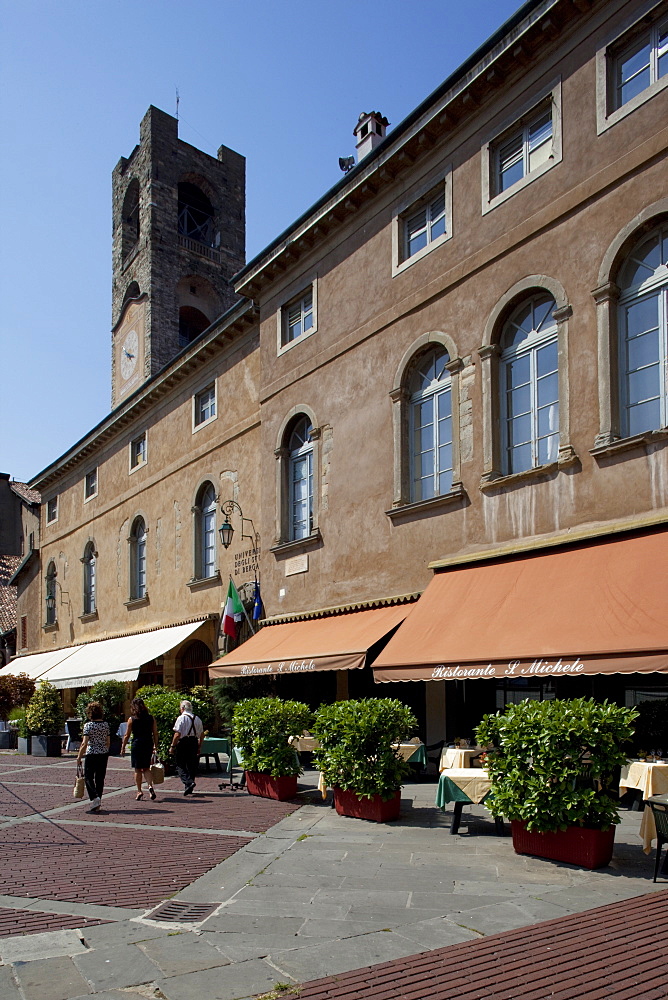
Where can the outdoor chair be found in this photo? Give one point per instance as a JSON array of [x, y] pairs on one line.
[[73, 733], [435, 758], [660, 813]]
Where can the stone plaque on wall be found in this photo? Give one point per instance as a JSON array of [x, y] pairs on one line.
[[298, 564]]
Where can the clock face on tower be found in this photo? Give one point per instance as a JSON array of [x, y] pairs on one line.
[[129, 352]]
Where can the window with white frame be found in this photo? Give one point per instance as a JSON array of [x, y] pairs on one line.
[[51, 613], [637, 61], [138, 451], [300, 448], [205, 532], [90, 484], [89, 579], [522, 150], [430, 422], [205, 405], [138, 560], [643, 335], [52, 510], [529, 386], [425, 224], [297, 318]]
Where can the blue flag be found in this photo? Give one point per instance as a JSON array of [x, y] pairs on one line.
[[257, 603]]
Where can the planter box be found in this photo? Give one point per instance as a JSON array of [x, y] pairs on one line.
[[8, 739], [281, 788], [375, 809], [46, 746], [575, 846], [25, 744]]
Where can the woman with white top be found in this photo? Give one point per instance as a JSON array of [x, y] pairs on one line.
[[95, 751]]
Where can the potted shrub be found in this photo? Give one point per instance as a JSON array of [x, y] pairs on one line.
[[261, 729], [552, 764], [356, 755], [6, 705], [24, 741], [45, 719]]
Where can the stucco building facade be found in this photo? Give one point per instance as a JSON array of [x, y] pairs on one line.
[[456, 357]]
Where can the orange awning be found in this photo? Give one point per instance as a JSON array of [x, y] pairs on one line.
[[336, 643], [588, 609]]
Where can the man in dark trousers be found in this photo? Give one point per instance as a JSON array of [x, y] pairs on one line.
[[188, 734]]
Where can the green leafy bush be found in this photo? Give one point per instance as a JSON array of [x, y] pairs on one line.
[[356, 738], [24, 689], [203, 704], [262, 727], [44, 714], [552, 762], [6, 695], [227, 691], [111, 695]]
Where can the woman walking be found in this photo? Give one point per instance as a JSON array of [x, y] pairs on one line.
[[95, 751], [144, 732]]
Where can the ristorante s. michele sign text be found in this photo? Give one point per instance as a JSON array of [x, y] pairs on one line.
[[516, 668], [283, 667]]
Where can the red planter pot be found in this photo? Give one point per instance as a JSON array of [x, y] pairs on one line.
[[576, 845], [281, 788], [348, 804]]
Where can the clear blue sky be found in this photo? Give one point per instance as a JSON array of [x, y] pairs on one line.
[[281, 81]]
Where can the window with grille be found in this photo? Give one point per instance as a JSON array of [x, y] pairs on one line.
[[205, 405], [523, 151]]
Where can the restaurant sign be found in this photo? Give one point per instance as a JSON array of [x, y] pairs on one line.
[[284, 667], [515, 668]]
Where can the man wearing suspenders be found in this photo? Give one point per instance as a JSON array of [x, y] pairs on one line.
[[186, 743]]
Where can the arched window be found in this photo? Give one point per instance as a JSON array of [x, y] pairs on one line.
[[195, 660], [192, 322], [529, 386], [205, 532], [300, 448], [138, 560], [430, 423], [51, 616], [643, 335], [89, 579], [195, 218], [130, 221]]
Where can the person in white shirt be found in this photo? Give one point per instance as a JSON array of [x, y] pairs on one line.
[[186, 743]]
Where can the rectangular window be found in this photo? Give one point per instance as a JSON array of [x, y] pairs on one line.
[[90, 484], [523, 149], [298, 318], [421, 222], [138, 451], [24, 631], [205, 405], [52, 510], [637, 63], [523, 152]]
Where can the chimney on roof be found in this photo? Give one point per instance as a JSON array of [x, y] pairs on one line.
[[369, 131]]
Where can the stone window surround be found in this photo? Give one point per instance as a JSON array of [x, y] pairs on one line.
[[606, 116], [400, 396], [281, 314], [551, 94], [411, 203], [609, 439], [489, 353], [91, 496], [282, 456], [138, 465], [52, 501], [90, 556]]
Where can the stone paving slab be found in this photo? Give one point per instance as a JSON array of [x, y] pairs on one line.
[[55, 979], [124, 932], [116, 967], [8, 986], [178, 954], [246, 979], [53, 944], [342, 956]]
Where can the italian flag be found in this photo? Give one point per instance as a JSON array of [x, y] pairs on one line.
[[234, 612]]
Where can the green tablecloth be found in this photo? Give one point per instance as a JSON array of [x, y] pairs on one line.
[[419, 757], [214, 744], [449, 789]]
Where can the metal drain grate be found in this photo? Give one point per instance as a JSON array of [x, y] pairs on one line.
[[182, 912]]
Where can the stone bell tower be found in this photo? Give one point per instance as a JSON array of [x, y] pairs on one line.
[[179, 235]]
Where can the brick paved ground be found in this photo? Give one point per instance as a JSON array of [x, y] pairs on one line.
[[77, 857], [609, 953], [16, 922]]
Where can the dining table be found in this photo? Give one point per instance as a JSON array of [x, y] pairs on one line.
[[464, 786], [649, 778], [458, 757], [212, 746]]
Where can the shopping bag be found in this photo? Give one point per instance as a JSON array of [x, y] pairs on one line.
[[79, 784], [157, 771]]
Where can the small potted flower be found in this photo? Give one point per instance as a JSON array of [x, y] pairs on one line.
[[358, 756], [262, 728]]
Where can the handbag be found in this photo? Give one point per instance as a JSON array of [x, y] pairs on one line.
[[79, 784], [157, 771]]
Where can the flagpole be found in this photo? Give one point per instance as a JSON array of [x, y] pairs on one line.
[[243, 607]]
